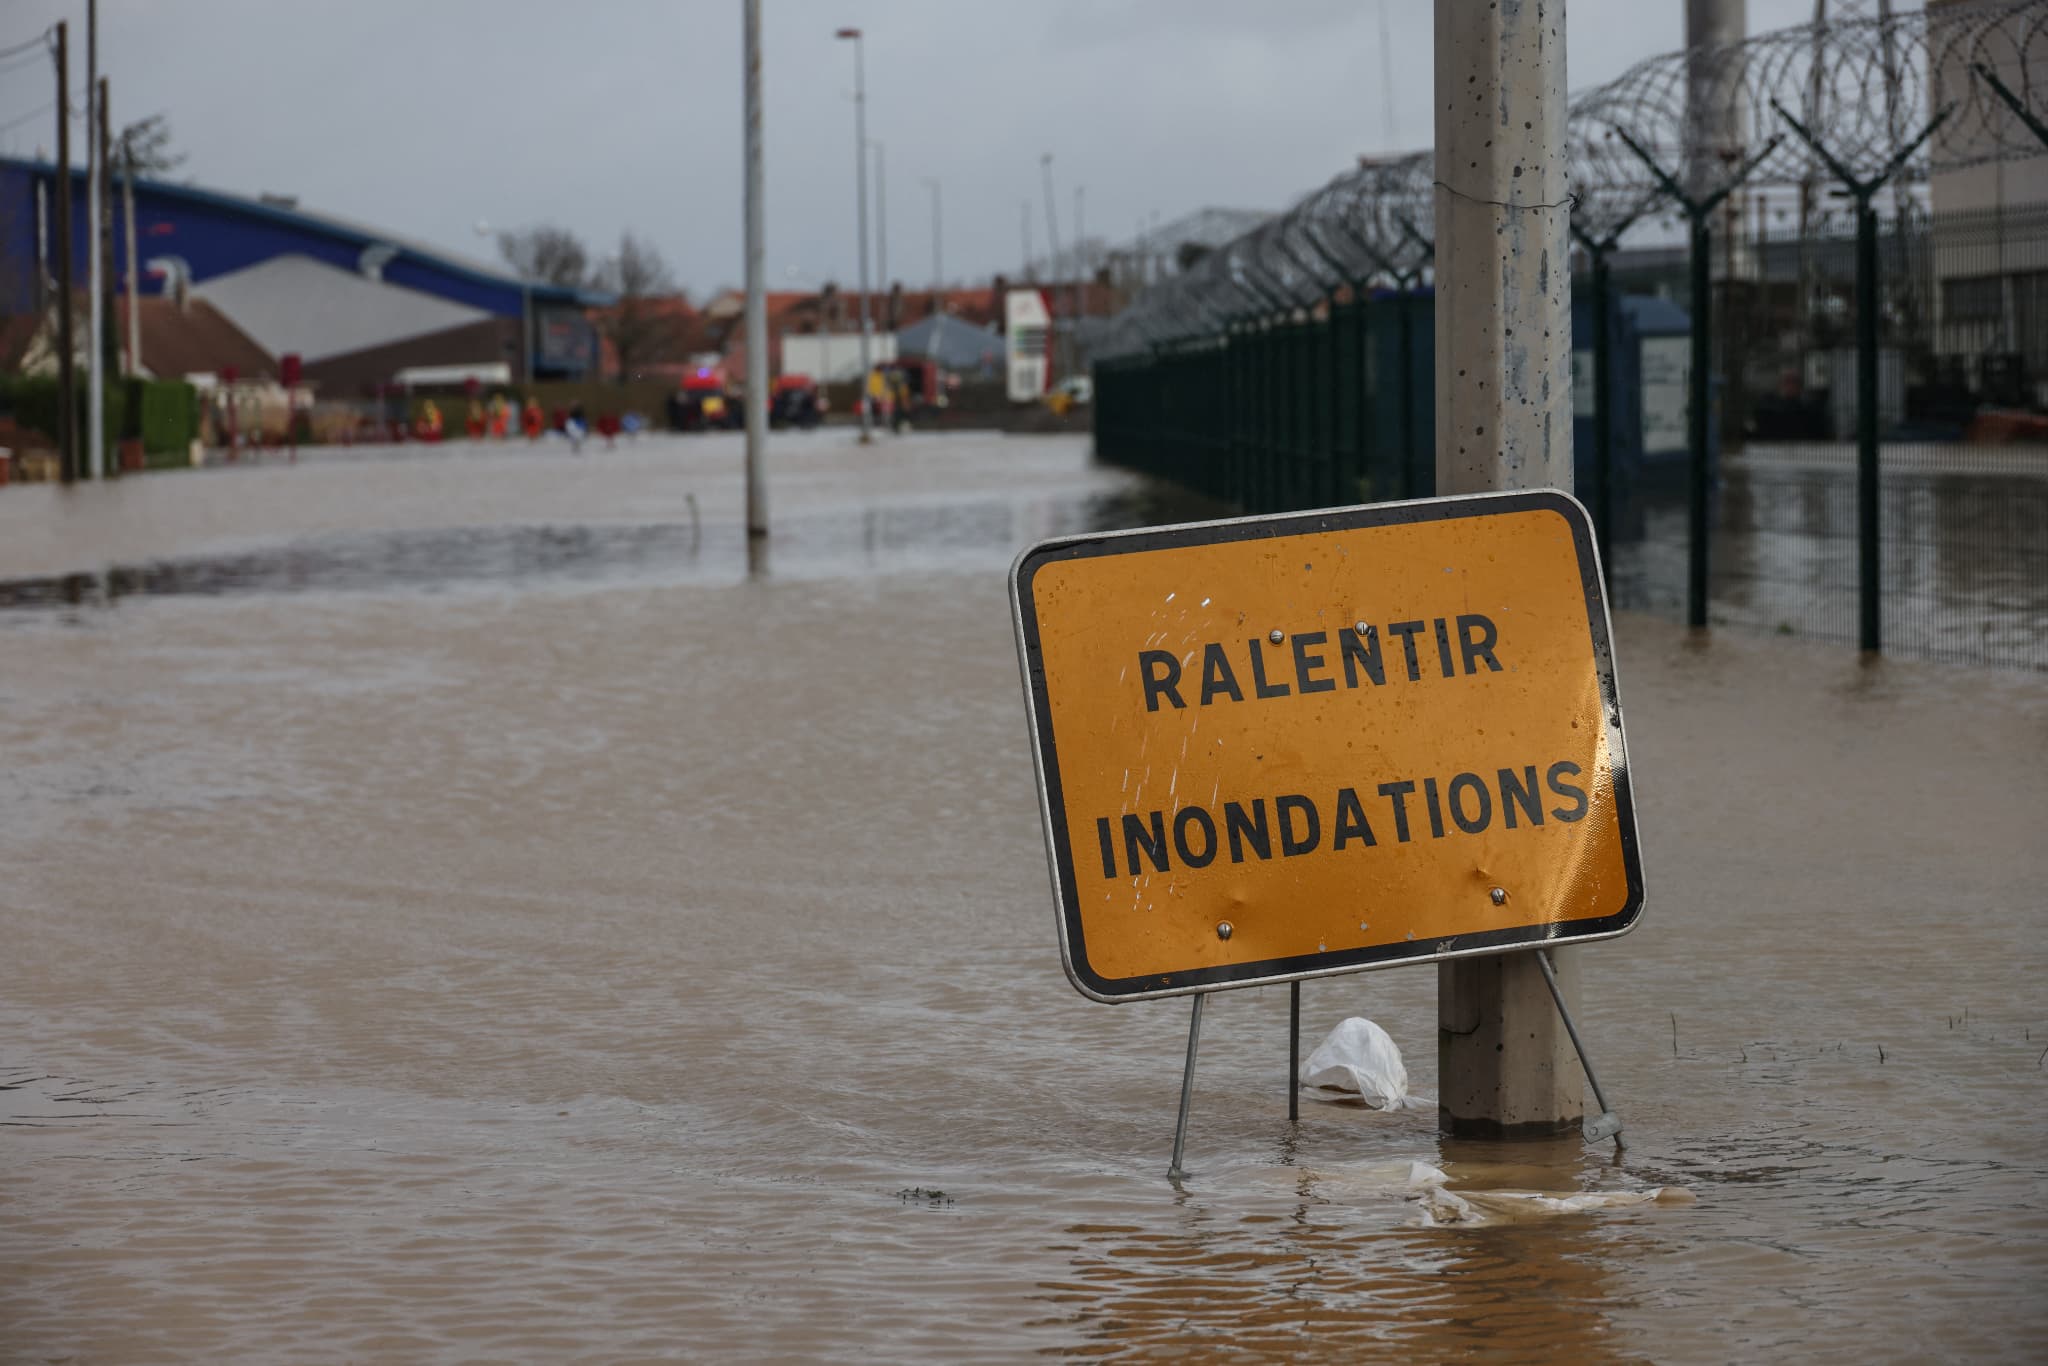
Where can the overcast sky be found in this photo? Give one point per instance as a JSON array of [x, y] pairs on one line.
[[613, 115]]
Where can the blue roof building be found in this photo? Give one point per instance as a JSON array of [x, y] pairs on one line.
[[357, 304]]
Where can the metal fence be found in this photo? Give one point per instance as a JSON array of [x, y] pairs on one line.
[[1835, 425], [1962, 458]]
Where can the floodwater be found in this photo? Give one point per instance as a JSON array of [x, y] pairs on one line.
[[1964, 549], [454, 911]]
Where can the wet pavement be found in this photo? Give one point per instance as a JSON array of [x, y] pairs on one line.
[[456, 911]]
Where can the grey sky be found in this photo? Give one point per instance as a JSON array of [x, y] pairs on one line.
[[609, 115]]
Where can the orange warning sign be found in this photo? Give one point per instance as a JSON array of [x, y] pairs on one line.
[[1282, 747]]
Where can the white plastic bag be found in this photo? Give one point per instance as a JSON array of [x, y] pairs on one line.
[[1359, 1058]]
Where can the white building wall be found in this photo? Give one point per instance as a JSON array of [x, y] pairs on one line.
[[833, 357], [294, 303]]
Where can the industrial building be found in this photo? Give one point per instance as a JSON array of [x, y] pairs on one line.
[[360, 306]]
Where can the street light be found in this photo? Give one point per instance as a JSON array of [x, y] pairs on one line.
[[1052, 232], [860, 165], [881, 214], [484, 229]]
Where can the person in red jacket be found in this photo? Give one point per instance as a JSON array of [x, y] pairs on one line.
[[532, 420]]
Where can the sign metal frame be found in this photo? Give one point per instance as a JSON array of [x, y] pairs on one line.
[[1046, 764]]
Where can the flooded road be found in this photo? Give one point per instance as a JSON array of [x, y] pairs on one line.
[[516, 933]]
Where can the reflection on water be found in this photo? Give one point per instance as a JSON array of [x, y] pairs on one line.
[[527, 937], [1301, 1261], [1964, 550], [886, 538]]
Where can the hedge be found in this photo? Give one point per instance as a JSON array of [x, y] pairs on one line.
[[164, 413]]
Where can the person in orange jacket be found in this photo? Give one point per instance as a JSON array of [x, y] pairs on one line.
[[501, 417], [532, 420]]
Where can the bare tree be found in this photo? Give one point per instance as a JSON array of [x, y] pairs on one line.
[[549, 254], [636, 271], [146, 147], [638, 328]]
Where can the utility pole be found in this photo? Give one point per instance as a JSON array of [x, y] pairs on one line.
[[860, 165], [95, 160], [108, 353], [1503, 421], [757, 299], [1024, 218], [134, 279], [67, 343]]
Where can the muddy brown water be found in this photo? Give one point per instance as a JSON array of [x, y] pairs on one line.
[[480, 922]]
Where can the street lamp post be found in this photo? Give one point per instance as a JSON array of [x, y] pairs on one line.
[[1052, 233], [881, 216], [757, 284], [860, 163]]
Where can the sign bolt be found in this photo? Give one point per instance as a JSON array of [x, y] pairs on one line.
[[1499, 895], [1223, 929], [1277, 636], [1362, 628]]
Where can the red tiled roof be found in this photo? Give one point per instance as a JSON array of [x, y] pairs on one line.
[[195, 339]]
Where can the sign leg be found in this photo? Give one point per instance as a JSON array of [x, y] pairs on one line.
[[1293, 1052], [1187, 1089], [1607, 1124]]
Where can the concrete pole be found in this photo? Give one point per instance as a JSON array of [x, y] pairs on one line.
[[95, 360], [67, 340], [1503, 421], [134, 278], [757, 299], [1717, 116], [860, 166], [881, 217]]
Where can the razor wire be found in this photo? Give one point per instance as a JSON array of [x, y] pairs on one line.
[[1902, 97]]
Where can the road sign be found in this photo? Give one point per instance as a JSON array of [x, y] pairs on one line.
[[1284, 747]]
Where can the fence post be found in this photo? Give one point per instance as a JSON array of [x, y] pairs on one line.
[[1698, 213], [1414, 458], [1869, 524], [1698, 426], [1869, 521], [1600, 249], [1603, 411]]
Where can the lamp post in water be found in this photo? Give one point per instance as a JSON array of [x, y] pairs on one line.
[[757, 307], [860, 167]]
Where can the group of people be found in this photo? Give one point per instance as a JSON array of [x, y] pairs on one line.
[[494, 419], [891, 397]]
